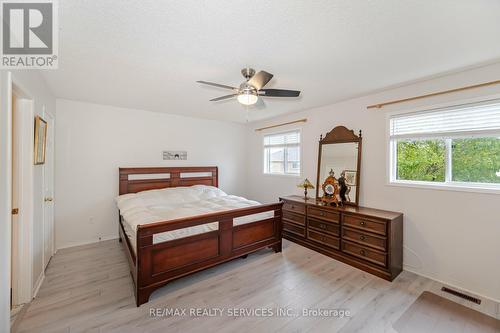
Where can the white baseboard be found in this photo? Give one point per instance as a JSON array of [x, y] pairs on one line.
[[38, 284], [91, 241], [474, 293]]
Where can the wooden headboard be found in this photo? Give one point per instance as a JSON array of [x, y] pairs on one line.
[[133, 180]]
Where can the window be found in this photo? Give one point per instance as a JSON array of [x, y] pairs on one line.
[[282, 153], [456, 146]]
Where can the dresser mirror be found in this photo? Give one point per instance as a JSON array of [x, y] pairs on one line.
[[339, 166]]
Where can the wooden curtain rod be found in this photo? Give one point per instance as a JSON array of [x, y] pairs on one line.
[[380, 105], [283, 124]]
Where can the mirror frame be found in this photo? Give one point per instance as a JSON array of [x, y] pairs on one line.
[[341, 134]]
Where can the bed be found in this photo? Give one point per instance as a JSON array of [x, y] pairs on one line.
[[175, 221]]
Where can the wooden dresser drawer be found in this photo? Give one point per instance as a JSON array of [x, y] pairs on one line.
[[364, 238], [323, 214], [294, 207], [294, 229], [330, 241], [323, 226], [294, 218], [365, 253], [367, 238], [362, 223]]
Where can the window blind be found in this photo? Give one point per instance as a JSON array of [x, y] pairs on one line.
[[467, 119], [282, 153], [282, 139]]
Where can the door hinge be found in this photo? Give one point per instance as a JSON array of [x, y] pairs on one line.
[[15, 211]]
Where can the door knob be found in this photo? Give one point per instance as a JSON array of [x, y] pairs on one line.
[[48, 199]]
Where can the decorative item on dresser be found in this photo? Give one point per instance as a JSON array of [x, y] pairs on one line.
[[339, 155], [366, 238], [331, 190], [306, 184]]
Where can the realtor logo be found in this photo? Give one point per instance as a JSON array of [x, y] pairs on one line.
[[29, 34]]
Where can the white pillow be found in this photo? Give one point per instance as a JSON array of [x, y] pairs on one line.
[[167, 197]]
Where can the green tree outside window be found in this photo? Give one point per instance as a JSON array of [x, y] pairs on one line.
[[422, 160], [474, 160]]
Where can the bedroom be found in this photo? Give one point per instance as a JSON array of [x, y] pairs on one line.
[[416, 82]]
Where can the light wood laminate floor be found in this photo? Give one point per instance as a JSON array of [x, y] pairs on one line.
[[89, 289]]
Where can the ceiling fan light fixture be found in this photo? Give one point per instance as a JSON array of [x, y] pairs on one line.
[[248, 98], [251, 89]]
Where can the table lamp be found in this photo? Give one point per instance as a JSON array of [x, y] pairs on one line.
[[306, 184]]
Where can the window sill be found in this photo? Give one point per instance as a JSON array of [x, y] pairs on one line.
[[460, 187], [281, 175]]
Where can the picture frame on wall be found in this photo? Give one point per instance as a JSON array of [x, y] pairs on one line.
[[350, 177], [40, 140]]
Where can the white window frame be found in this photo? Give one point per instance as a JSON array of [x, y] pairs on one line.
[[293, 175], [450, 185]]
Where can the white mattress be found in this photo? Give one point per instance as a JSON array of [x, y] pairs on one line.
[[178, 202]]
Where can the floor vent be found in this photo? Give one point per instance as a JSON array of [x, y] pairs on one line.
[[461, 295]]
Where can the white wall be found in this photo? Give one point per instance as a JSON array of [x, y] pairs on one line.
[[93, 141], [449, 236]]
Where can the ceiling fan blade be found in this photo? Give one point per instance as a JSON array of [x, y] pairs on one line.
[[223, 97], [259, 80], [218, 85], [279, 93]]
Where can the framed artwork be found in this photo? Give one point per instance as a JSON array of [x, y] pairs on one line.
[[175, 155], [40, 140], [350, 177]]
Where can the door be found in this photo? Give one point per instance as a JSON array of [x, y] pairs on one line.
[[22, 198], [48, 183]]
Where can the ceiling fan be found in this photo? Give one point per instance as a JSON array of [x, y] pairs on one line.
[[249, 91]]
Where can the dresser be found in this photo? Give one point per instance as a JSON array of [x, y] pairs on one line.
[[366, 238]]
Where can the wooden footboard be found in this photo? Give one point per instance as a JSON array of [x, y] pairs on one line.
[[157, 264]]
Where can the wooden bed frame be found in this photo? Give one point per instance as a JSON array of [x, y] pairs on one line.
[[157, 264]]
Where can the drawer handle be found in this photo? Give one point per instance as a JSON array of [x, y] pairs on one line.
[[321, 214], [362, 237], [323, 239], [362, 252], [322, 226], [362, 223], [293, 207]]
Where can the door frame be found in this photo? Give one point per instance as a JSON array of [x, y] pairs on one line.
[[50, 119], [22, 269], [5, 196]]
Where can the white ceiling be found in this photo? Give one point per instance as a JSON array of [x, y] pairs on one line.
[[148, 54]]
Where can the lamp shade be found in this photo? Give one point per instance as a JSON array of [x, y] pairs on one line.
[[248, 98], [305, 184]]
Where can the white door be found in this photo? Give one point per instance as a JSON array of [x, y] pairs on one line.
[[48, 183], [22, 199]]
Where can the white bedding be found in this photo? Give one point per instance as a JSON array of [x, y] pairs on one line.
[[178, 202]]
